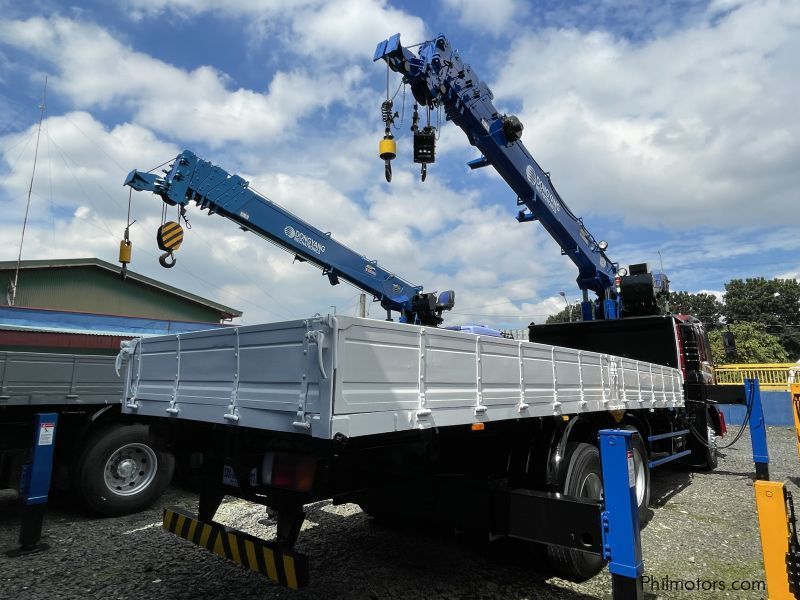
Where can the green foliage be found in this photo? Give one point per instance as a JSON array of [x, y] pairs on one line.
[[763, 314], [705, 307], [573, 310], [774, 303], [753, 345]]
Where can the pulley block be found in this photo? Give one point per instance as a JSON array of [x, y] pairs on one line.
[[169, 236], [125, 251], [425, 145]]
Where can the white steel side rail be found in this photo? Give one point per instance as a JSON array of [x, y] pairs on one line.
[[392, 362]]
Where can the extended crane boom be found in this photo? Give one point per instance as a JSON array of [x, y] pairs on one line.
[[193, 179], [439, 78]]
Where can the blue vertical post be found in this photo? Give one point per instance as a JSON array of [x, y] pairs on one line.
[[622, 542], [587, 310], [36, 485], [610, 309], [758, 428]]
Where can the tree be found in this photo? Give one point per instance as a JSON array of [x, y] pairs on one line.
[[753, 345], [775, 303], [563, 316], [705, 307]]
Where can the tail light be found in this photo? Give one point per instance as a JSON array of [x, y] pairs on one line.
[[723, 427], [288, 471]]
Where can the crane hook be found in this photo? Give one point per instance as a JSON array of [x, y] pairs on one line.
[[387, 147], [125, 250], [167, 260], [423, 173]]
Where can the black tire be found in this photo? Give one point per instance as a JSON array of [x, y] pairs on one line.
[[710, 452], [122, 449], [704, 456], [580, 479]]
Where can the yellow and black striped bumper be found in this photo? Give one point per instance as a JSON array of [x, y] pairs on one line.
[[281, 566]]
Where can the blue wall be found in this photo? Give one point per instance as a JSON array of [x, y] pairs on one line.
[[777, 410]]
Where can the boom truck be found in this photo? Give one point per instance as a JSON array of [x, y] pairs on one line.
[[626, 318], [406, 419]]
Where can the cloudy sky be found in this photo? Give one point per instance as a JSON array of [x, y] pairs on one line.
[[670, 129]]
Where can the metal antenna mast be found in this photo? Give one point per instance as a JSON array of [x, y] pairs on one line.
[[13, 291]]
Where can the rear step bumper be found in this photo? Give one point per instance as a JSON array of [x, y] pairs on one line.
[[282, 566]]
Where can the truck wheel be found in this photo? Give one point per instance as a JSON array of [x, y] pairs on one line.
[[704, 456], [641, 473], [709, 452], [121, 471], [582, 479]]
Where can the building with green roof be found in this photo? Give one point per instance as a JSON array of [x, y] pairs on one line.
[[94, 286]]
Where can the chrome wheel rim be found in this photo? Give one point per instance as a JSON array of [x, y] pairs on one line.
[[591, 487], [130, 469], [712, 438], [639, 476]]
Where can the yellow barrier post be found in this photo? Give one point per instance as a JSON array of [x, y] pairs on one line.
[[773, 522], [795, 392]]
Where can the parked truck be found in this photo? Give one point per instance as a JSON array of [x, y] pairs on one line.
[[109, 462], [409, 420]]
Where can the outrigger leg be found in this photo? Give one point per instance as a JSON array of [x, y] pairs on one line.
[[290, 521]]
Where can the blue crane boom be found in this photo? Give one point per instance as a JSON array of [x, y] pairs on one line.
[[191, 179], [439, 78]]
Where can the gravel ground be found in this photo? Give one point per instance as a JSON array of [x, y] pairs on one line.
[[703, 525]]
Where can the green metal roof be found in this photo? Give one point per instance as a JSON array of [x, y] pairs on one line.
[[65, 263]]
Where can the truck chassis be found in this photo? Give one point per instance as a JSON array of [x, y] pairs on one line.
[[408, 422]]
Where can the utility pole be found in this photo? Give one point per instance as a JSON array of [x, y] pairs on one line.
[[362, 305], [569, 306]]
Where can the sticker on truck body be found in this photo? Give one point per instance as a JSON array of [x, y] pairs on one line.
[[631, 470], [46, 433], [229, 477]]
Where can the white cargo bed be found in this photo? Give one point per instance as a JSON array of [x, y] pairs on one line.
[[329, 375]]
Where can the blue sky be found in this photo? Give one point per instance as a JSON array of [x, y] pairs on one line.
[[670, 127]]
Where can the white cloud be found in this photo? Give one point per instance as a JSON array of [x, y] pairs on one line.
[[81, 163], [353, 27], [694, 127], [497, 16], [794, 274], [412, 230], [690, 128], [326, 29], [95, 70], [718, 294]]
